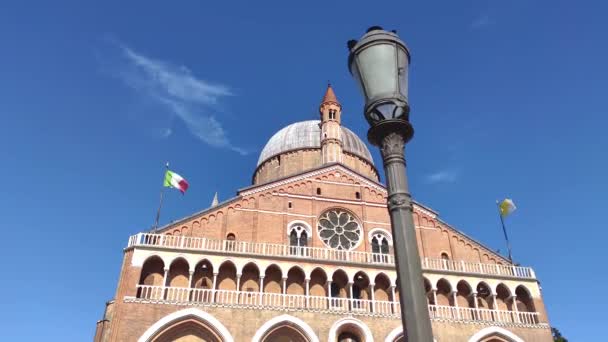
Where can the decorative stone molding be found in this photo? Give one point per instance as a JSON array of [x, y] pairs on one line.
[[219, 328], [381, 231], [392, 336], [367, 333], [313, 174], [276, 322], [489, 331], [299, 223]]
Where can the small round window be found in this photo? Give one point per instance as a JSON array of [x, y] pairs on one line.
[[339, 229]]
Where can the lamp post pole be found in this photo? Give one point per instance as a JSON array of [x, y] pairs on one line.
[[414, 306], [379, 62]]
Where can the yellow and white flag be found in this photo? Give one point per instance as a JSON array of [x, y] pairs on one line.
[[506, 207]]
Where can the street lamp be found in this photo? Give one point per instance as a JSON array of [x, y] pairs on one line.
[[379, 63]]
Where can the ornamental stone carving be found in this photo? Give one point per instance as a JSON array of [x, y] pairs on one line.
[[339, 229]]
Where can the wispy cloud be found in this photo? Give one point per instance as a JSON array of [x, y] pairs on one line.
[[167, 132], [442, 176], [481, 21], [193, 100]]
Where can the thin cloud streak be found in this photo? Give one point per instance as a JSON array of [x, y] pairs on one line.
[[480, 22], [192, 100], [443, 176]]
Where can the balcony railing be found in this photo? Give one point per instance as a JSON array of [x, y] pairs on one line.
[[477, 267], [258, 248], [320, 254], [278, 301]]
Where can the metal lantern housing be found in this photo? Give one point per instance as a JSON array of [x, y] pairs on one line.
[[379, 63]]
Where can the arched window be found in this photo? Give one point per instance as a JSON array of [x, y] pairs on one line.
[[231, 241], [380, 246], [293, 238], [303, 240], [357, 195], [445, 256], [318, 191], [298, 239]]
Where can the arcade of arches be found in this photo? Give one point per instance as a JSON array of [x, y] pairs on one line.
[[319, 283]]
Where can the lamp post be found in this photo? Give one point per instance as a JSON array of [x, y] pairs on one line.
[[379, 63]]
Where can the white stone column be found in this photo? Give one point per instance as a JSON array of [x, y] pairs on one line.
[[434, 296], [393, 299], [477, 314], [495, 308], [238, 287], [455, 299], [214, 287], [514, 306], [261, 296], [474, 294], [328, 293], [166, 277], [191, 273], [352, 302], [164, 290], [307, 292], [284, 290], [372, 295]]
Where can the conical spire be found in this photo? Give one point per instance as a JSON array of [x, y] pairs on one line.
[[215, 201], [330, 96]]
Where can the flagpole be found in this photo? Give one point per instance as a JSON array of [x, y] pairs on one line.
[[504, 230], [160, 204]]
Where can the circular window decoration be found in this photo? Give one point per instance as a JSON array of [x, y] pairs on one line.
[[339, 229]]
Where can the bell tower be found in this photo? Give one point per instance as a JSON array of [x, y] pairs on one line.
[[331, 133]]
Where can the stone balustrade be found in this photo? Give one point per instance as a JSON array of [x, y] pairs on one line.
[[319, 254], [287, 302]]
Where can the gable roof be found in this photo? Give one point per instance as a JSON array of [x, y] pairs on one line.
[[320, 170]]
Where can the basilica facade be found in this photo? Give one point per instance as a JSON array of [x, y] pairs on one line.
[[305, 254]]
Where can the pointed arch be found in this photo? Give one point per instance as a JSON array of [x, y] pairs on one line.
[[290, 321], [444, 290], [273, 276], [495, 331], [395, 335], [152, 271], [351, 324], [503, 298], [295, 280], [207, 320]]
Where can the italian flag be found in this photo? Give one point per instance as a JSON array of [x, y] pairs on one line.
[[173, 180]]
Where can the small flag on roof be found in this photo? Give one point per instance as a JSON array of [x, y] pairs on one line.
[[506, 207], [173, 180]]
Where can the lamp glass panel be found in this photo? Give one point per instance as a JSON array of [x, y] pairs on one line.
[[403, 64], [378, 70]]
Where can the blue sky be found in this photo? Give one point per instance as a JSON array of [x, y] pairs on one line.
[[507, 97]]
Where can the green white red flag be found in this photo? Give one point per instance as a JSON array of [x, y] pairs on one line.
[[173, 180]]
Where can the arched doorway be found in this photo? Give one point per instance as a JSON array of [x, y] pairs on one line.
[[350, 330], [284, 333], [190, 330], [285, 328], [495, 334], [189, 325]]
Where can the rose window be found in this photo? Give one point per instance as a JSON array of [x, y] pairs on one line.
[[339, 229]]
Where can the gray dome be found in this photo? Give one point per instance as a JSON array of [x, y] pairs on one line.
[[307, 134]]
